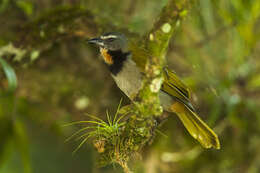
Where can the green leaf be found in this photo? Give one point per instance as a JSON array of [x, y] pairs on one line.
[[10, 74]]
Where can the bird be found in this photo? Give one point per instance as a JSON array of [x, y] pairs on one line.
[[125, 64]]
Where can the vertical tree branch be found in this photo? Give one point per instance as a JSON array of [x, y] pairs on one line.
[[156, 43]]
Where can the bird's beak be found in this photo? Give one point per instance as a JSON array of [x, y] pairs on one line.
[[97, 41]]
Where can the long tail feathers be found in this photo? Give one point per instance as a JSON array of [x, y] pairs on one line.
[[195, 126]]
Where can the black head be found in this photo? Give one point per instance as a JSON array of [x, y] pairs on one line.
[[112, 41]]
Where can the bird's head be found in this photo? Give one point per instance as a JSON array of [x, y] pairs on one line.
[[111, 41], [113, 48]]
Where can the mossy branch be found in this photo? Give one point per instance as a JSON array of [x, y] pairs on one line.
[[156, 43], [147, 104], [59, 24], [62, 23]]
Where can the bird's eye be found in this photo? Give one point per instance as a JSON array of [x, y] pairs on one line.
[[111, 39]]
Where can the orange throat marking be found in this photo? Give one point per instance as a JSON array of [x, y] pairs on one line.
[[107, 58]]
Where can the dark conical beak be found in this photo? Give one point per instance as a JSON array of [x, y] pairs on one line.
[[97, 41]]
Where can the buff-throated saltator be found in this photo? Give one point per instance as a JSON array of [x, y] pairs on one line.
[[126, 67]]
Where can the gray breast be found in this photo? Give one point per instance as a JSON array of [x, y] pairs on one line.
[[129, 79]]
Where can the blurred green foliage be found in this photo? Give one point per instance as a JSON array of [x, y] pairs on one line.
[[215, 50]]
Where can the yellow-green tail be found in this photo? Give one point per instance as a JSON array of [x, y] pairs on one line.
[[195, 126]]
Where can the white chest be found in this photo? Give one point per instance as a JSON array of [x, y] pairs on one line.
[[129, 79]]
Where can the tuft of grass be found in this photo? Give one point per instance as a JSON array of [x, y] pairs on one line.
[[102, 132]]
